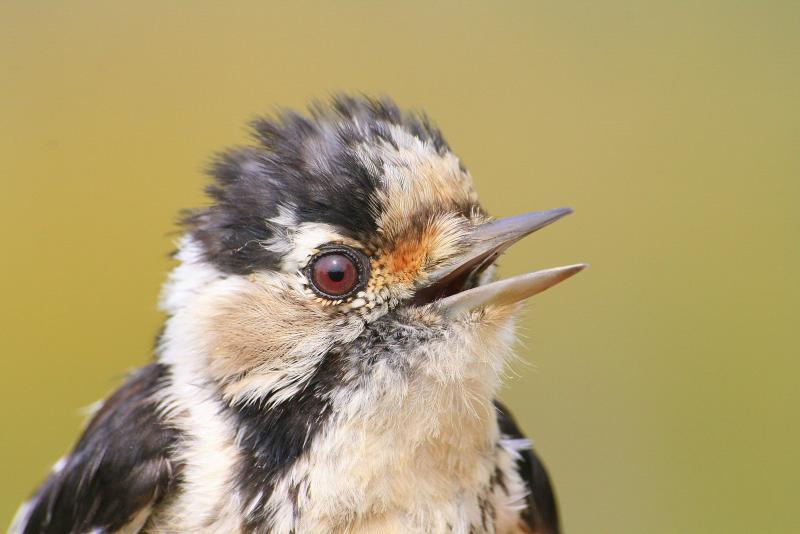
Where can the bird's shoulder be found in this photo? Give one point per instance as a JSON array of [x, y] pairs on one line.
[[118, 471], [540, 516]]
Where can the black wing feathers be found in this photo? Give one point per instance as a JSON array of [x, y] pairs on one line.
[[541, 514], [118, 468]]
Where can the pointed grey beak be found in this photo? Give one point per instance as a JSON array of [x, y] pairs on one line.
[[447, 284], [508, 291]]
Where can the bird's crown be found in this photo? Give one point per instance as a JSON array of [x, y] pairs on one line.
[[358, 173]]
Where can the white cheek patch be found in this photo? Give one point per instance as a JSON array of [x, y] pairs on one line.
[[189, 278]]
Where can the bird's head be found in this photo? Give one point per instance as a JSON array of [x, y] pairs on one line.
[[353, 236]]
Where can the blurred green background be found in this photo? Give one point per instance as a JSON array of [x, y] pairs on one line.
[[663, 384]]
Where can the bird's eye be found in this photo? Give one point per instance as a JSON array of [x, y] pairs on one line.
[[337, 272]]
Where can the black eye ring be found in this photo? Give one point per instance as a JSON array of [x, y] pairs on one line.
[[358, 260]]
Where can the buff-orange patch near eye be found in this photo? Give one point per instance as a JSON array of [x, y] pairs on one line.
[[409, 255]]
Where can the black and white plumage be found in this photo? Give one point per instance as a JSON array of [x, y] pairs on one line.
[[292, 394]]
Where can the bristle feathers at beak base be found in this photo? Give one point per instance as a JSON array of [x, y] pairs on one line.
[[451, 285]]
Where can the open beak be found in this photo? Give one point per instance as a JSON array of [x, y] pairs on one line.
[[453, 287]]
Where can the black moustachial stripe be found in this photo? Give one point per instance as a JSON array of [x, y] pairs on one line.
[[306, 165], [120, 465], [541, 513], [271, 439]]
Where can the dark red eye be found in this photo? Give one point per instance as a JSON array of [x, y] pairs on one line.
[[335, 274]]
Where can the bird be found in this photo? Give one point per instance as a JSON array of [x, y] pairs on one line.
[[334, 341]]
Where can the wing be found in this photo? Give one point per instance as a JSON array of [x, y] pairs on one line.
[[117, 472], [541, 514]]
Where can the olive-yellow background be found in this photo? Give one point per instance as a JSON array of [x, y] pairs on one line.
[[663, 389]]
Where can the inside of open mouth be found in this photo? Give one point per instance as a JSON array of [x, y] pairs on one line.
[[463, 277]]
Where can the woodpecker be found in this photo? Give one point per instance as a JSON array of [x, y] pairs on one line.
[[332, 352]]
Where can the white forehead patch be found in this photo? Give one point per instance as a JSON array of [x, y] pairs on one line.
[[416, 178], [411, 153]]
